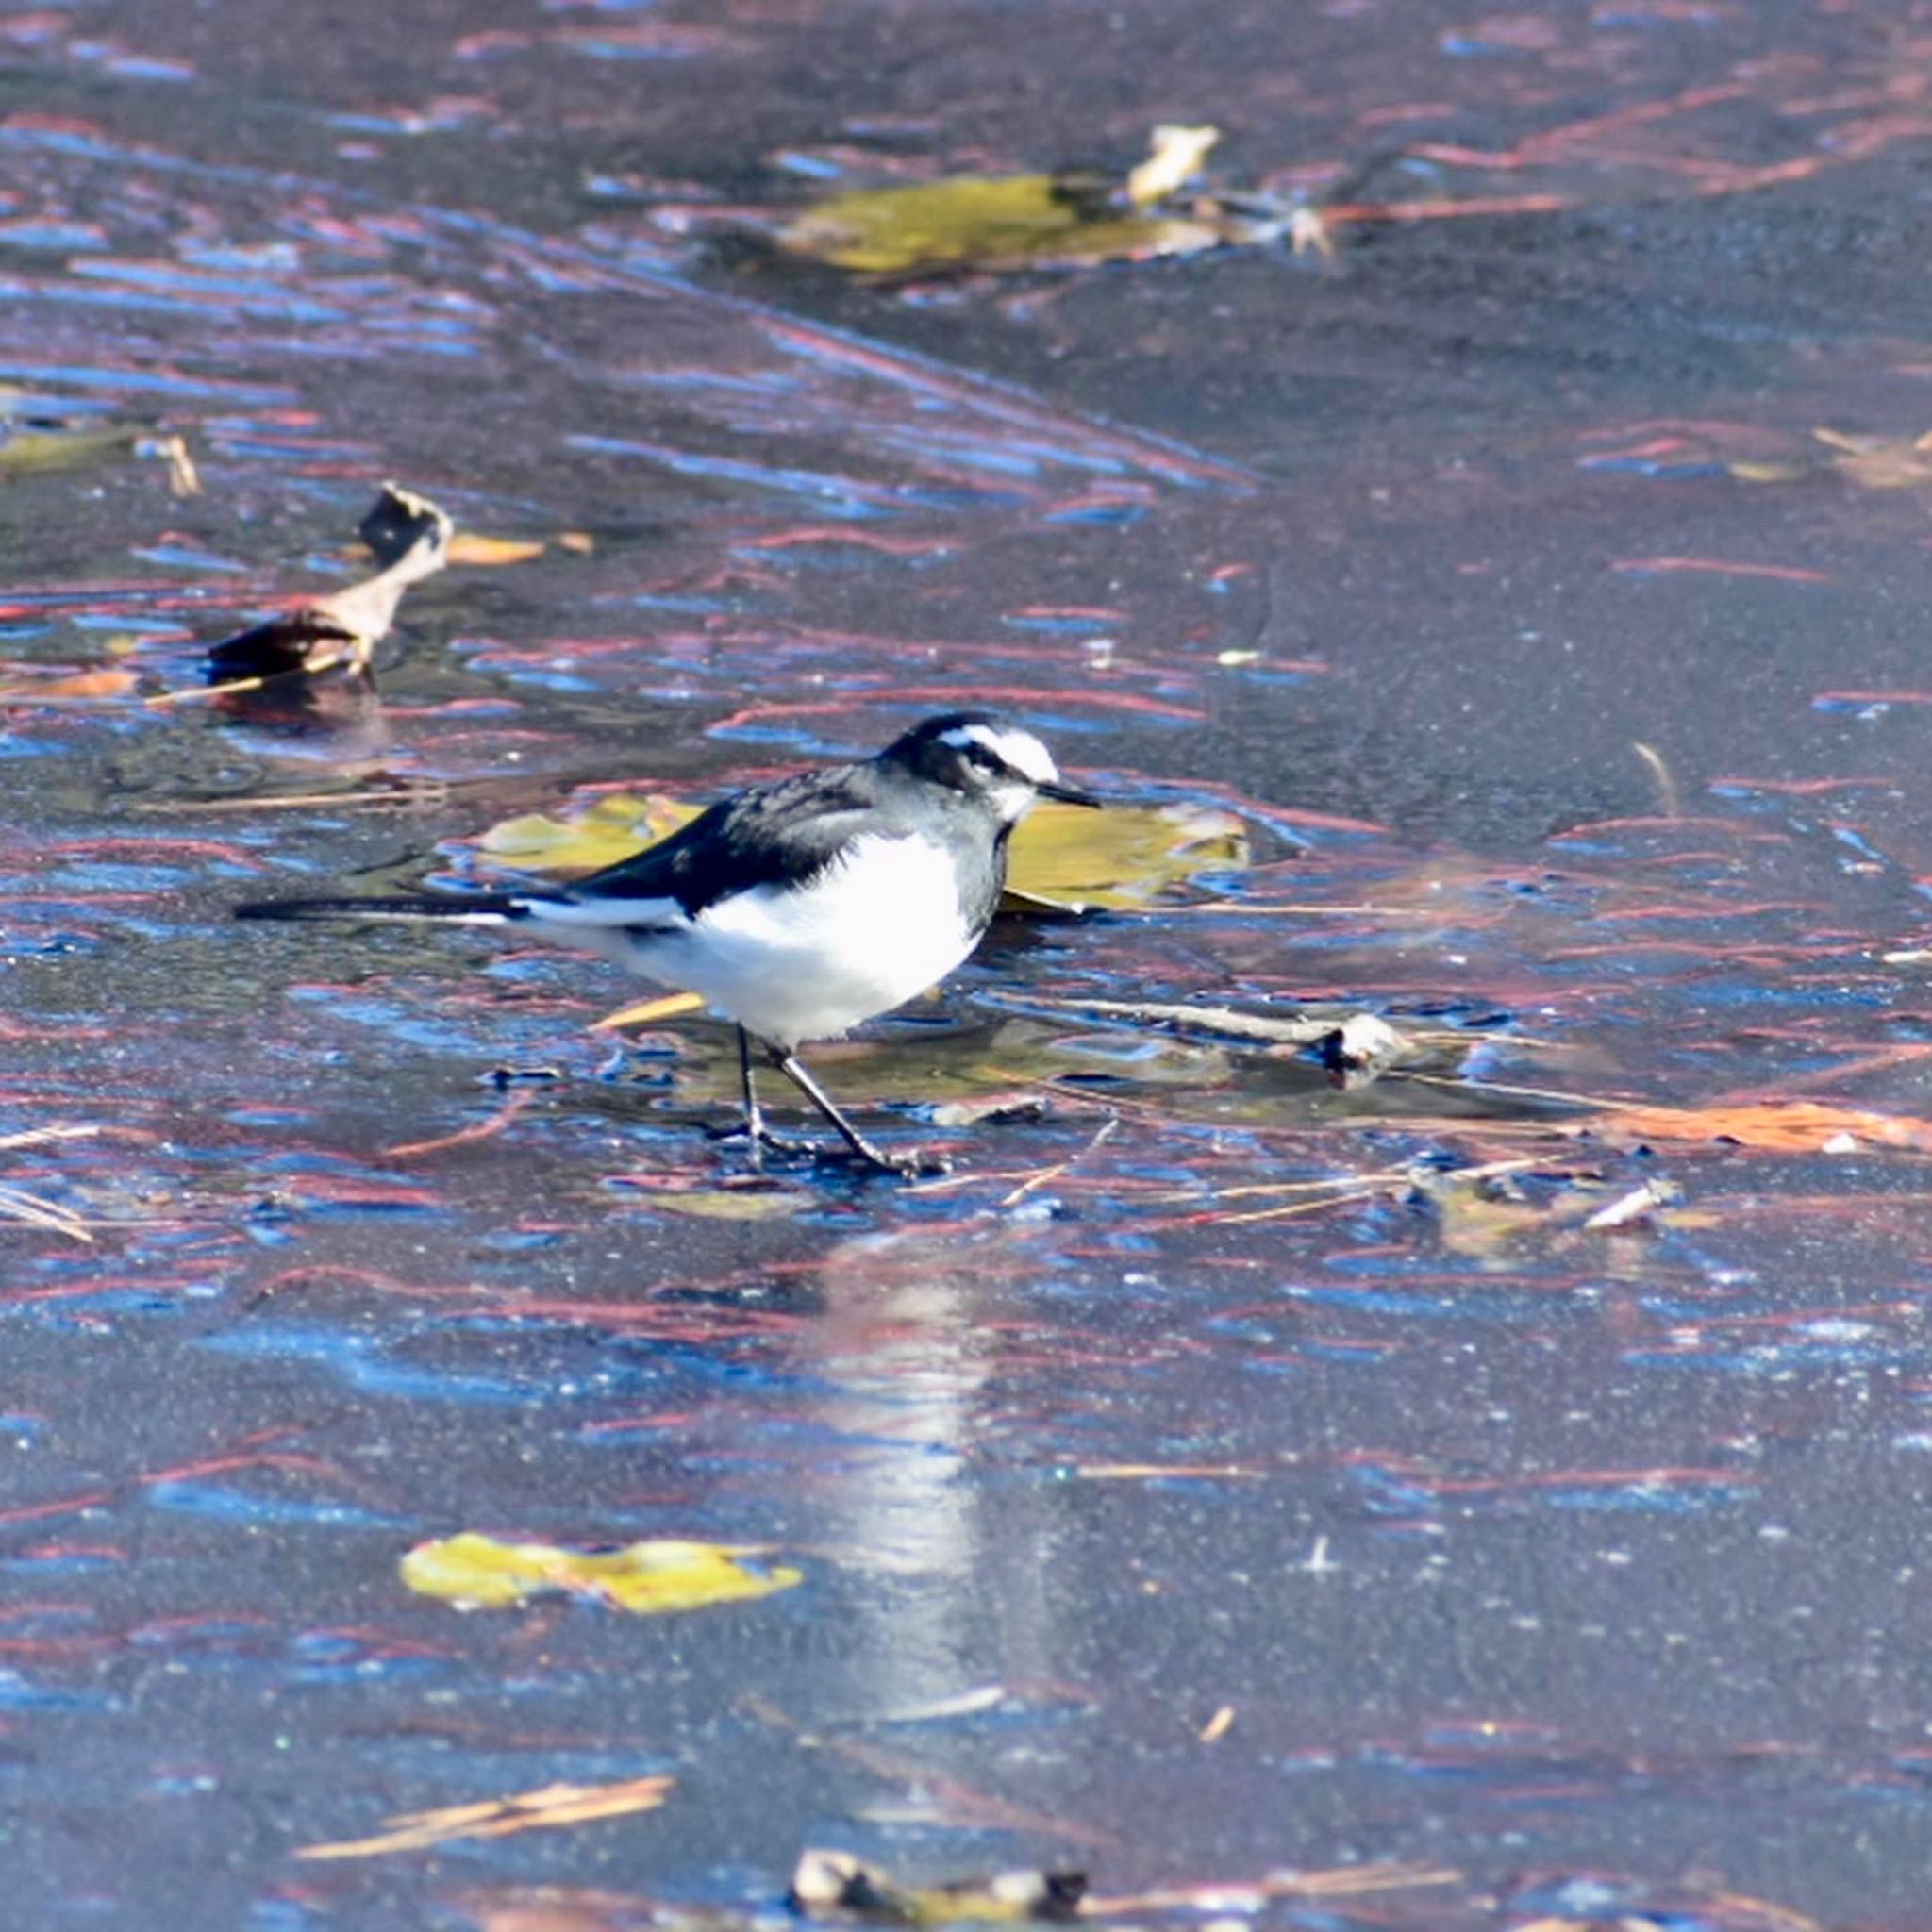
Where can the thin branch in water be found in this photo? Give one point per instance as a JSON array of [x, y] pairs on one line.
[[1107, 1128], [1338, 1881], [407, 795], [211, 693], [32, 1210], [1666, 785], [463, 1137], [39, 1137], [1589, 1103]]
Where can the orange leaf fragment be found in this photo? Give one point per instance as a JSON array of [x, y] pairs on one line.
[[103, 683], [466, 546], [1771, 1126]]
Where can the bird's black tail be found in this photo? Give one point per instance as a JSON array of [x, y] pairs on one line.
[[475, 908]]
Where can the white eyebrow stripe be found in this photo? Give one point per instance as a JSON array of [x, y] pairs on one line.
[[1018, 749]]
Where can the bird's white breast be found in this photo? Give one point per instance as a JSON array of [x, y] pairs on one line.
[[793, 963]]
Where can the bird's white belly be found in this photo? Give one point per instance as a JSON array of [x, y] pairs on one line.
[[800, 963]]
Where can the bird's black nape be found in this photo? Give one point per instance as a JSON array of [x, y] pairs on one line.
[[982, 755], [907, 748]]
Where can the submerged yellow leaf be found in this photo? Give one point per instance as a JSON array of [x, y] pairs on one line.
[[731, 1203], [1175, 159], [611, 828], [1011, 222], [1025, 221], [476, 1571], [1063, 857], [28, 452]]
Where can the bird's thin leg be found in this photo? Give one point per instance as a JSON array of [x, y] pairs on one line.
[[752, 1128], [862, 1149], [753, 1119]]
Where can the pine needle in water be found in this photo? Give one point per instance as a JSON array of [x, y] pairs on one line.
[[554, 1805]]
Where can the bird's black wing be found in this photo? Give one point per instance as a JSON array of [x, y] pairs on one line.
[[767, 836], [310, 639]]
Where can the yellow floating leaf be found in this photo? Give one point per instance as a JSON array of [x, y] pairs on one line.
[[551, 1805], [467, 547], [1174, 160], [478, 1573], [1067, 858]]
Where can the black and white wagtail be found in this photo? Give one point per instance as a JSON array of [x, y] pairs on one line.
[[410, 538], [797, 909]]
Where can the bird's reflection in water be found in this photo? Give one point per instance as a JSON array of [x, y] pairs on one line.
[[334, 724], [906, 1348]]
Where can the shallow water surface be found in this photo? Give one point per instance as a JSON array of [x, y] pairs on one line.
[[1496, 572]]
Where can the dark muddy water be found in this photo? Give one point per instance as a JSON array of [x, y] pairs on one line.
[[1584, 1568]]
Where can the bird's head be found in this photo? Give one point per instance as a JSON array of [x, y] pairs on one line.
[[987, 758]]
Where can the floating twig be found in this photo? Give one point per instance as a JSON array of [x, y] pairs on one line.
[[463, 1137]]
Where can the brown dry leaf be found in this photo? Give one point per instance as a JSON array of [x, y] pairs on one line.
[[1032, 221], [466, 546], [1771, 1126], [553, 1805]]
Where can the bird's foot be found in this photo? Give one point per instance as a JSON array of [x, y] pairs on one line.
[[761, 1139], [863, 1157], [916, 1166]]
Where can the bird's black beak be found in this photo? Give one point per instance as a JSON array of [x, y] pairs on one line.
[[1068, 794]]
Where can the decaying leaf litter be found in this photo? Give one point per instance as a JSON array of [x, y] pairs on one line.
[[1733, 1017]]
